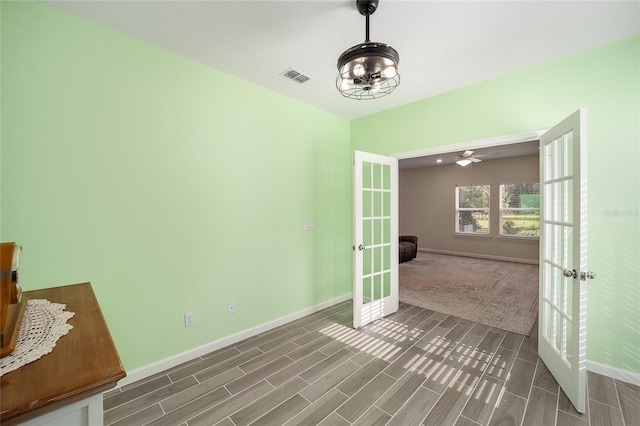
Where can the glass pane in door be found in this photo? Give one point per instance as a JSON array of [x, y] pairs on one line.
[[366, 174], [366, 289], [377, 287], [386, 292]]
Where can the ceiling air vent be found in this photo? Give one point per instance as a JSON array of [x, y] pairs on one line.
[[294, 75]]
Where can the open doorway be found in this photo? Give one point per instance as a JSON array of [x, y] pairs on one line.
[[490, 251]]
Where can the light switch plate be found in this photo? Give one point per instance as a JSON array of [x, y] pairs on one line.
[[189, 319]]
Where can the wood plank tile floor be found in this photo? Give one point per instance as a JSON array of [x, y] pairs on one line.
[[415, 367]]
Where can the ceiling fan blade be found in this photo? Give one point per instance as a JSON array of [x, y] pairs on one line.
[[467, 154], [475, 160]]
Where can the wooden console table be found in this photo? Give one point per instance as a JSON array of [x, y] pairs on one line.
[[65, 386]]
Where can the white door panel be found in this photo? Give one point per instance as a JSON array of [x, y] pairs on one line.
[[563, 255], [375, 288]]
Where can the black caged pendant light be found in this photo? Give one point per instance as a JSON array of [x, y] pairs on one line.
[[368, 70]]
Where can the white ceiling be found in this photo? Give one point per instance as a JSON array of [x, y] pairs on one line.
[[443, 45], [484, 154]]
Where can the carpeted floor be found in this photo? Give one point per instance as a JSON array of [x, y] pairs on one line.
[[495, 293]]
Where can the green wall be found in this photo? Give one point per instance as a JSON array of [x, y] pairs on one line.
[[170, 186], [173, 187], [607, 82]]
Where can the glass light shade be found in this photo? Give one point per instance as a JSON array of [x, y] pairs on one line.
[[389, 72], [368, 71]]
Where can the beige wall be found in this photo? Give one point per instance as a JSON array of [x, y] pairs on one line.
[[427, 207]]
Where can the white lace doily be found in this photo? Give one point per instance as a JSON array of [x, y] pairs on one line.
[[42, 325]]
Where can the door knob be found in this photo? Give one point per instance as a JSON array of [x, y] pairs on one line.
[[360, 247], [569, 273], [587, 275]]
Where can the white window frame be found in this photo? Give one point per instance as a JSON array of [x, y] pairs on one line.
[[501, 234], [458, 209]]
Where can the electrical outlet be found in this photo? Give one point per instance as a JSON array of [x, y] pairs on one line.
[[231, 307], [189, 319]]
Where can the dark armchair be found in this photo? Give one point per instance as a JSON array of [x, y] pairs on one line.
[[408, 247]]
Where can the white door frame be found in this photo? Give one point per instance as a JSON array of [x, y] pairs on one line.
[[477, 144]]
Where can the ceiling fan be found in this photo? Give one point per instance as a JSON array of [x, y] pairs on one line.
[[466, 158]]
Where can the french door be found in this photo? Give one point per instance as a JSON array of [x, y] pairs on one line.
[[375, 287], [563, 255]]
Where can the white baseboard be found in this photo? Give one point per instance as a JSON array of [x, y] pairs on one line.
[[614, 373], [480, 256], [165, 364], [159, 366]]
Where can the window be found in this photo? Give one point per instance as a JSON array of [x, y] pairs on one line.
[[472, 209], [520, 210]]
